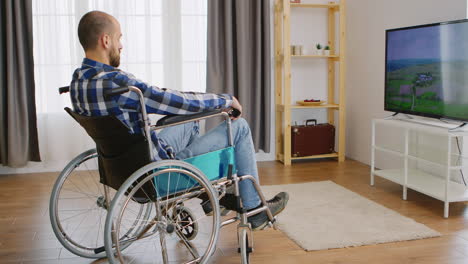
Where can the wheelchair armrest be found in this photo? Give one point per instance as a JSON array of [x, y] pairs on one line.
[[172, 119]]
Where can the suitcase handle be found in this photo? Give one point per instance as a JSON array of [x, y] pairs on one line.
[[311, 120]]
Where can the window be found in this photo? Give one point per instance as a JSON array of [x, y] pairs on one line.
[[164, 43]]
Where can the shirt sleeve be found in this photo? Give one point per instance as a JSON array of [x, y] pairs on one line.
[[165, 101]]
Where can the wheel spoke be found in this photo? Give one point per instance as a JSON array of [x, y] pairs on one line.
[[78, 214]]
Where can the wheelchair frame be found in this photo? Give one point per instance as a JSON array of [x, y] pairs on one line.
[[211, 188]]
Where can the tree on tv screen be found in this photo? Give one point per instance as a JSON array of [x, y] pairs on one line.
[[421, 80]]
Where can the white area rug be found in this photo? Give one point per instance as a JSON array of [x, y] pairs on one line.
[[324, 215]]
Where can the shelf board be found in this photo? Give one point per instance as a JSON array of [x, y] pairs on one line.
[[316, 106], [333, 56], [282, 107], [337, 6], [321, 156], [427, 184], [458, 162], [394, 152]]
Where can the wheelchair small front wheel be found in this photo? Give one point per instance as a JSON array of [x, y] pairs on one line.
[[172, 233], [185, 222], [245, 246]]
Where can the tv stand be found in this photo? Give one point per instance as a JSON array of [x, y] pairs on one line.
[[448, 124], [441, 187], [458, 128], [395, 114]]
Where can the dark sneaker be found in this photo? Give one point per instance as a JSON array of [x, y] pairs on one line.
[[276, 206], [278, 203]]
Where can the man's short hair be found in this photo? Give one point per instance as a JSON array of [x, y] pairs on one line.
[[92, 25]]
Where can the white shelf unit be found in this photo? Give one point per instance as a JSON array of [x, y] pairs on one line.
[[441, 188]]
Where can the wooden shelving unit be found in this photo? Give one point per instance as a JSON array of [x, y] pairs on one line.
[[283, 12]]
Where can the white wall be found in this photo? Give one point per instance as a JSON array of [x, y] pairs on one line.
[[366, 22]]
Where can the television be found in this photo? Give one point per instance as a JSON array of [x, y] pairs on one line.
[[426, 70]]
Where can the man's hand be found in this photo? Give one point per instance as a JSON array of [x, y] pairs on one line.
[[238, 106]]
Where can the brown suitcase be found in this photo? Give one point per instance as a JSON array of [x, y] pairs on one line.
[[312, 139]]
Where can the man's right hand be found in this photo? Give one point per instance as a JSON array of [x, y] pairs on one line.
[[238, 106]]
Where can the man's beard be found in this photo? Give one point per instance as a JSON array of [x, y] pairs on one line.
[[114, 58]]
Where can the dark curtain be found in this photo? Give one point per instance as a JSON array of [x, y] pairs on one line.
[[18, 127], [238, 60]]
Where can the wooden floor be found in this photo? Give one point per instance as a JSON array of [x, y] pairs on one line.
[[26, 236]]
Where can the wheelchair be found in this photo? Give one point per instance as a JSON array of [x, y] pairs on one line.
[[114, 201]]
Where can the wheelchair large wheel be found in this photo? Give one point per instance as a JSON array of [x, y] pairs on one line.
[[177, 230], [78, 207]]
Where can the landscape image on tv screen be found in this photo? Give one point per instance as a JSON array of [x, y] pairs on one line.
[[427, 70]]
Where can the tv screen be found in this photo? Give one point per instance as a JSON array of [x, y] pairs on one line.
[[426, 70]]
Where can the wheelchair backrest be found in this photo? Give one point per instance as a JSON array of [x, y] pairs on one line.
[[120, 152]]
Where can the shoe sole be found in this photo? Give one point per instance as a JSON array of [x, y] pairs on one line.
[[262, 226], [277, 213]]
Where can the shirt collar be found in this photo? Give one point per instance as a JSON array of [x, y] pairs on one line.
[[96, 64]]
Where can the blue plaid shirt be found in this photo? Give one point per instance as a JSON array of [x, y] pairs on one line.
[[93, 78]]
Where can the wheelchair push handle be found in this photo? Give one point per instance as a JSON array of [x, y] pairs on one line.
[[64, 89]]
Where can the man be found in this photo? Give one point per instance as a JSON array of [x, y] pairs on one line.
[[99, 34]]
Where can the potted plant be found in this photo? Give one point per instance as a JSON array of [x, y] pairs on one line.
[[327, 50], [319, 49]]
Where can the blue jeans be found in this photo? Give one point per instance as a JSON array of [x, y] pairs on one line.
[[187, 142]]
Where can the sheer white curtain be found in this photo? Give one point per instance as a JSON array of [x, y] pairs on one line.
[[164, 43]]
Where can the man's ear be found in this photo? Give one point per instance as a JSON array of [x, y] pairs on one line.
[[106, 41]]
